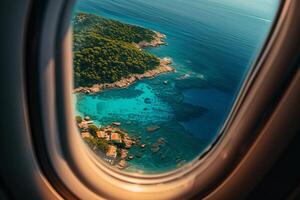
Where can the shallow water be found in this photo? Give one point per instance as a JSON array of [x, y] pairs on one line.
[[212, 45]]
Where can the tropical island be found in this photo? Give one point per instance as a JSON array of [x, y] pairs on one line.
[[109, 54]]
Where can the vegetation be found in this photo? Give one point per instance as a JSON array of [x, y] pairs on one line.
[[119, 152], [93, 129], [120, 145], [78, 119], [100, 144], [104, 51], [111, 29]]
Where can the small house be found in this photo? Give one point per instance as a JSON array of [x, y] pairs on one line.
[[115, 137], [111, 151]]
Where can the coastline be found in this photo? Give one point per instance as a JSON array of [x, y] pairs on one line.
[[157, 41], [113, 142], [163, 67]]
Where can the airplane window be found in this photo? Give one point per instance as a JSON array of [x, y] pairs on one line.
[[155, 81]]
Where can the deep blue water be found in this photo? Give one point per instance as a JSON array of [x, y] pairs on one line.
[[212, 45]]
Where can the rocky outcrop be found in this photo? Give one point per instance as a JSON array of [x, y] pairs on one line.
[[125, 82], [152, 128], [157, 41]]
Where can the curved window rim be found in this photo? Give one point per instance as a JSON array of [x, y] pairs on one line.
[[62, 147], [243, 90]]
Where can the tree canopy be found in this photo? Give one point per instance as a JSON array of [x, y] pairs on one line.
[[104, 51]]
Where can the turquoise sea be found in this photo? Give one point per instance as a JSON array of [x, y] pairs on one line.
[[212, 45]]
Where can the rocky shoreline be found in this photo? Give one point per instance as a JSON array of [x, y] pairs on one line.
[[157, 41], [114, 143], [125, 82], [163, 67]]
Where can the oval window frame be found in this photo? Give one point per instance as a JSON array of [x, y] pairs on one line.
[[66, 154]]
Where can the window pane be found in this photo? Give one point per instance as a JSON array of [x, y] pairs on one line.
[[155, 80]]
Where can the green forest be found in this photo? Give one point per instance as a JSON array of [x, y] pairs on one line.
[[104, 51]]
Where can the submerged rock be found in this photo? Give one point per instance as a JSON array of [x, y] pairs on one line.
[[152, 128], [138, 155], [148, 138], [147, 100], [186, 111], [155, 148], [161, 140]]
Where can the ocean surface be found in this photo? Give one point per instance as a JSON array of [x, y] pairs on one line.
[[212, 45]]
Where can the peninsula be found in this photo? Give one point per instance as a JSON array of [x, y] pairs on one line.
[[109, 54], [111, 141]]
